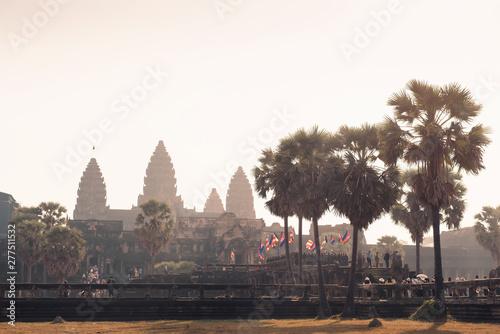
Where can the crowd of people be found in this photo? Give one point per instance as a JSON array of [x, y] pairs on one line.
[[134, 272]]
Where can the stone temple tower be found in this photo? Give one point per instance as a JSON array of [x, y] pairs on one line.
[[239, 199], [91, 200], [213, 203], [160, 182]]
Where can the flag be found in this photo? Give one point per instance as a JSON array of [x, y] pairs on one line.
[[313, 247], [260, 256], [232, 256], [268, 246], [261, 247], [340, 238], [332, 240], [292, 234], [282, 239], [309, 244], [275, 241], [346, 237], [324, 242]]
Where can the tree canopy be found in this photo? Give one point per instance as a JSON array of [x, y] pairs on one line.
[[487, 230]]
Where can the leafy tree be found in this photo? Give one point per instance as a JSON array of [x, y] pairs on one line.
[[51, 213], [363, 191], [308, 157], [387, 243], [429, 131], [487, 230], [63, 251], [25, 213], [154, 227], [271, 177], [417, 218], [30, 240]]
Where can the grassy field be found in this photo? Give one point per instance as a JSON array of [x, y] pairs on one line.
[[252, 327]]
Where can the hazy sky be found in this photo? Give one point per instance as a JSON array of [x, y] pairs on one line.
[[218, 81]]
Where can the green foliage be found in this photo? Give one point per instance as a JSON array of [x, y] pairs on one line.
[[63, 251], [182, 267], [426, 312], [387, 243], [30, 240], [154, 226], [487, 230]]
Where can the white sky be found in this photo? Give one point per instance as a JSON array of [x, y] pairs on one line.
[[228, 73]]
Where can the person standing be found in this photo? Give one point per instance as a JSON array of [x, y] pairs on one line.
[[386, 259], [376, 259], [110, 287], [369, 257]]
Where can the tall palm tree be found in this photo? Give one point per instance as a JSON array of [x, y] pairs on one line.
[[51, 213], [63, 251], [271, 177], [363, 191], [418, 219], [154, 227], [30, 240], [429, 131], [489, 236], [309, 158]]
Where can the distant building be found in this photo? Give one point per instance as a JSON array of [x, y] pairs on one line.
[[7, 206], [208, 236]]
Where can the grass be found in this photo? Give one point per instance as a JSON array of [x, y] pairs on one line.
[[333, 325]]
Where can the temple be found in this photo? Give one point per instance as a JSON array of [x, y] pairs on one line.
[[91, 200], [239, 199], [213, 203], [208, 236]]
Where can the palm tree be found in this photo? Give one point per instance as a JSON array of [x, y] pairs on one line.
[[270, 177], [417, 218], [154, 227], [363, 191], [30, 240], [489, 236], [428, 131], [63, 251], [309, 158], [51, 213]]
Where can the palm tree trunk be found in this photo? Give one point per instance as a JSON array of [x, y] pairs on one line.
[[349, 301], [301, 277], [324, 308], [417, 255], [29, 274], [287, 251], [152, 271], [438, 267]]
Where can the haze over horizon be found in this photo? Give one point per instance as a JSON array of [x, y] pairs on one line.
[[218, 81]]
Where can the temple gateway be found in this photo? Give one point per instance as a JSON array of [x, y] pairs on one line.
[[208, 236]]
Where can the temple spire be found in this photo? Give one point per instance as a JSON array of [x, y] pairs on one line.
[[160, 182], [91, 200], [239, 199], [213, 203]]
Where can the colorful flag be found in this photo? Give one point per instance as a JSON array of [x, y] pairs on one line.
[[292, 234], [260, 256], [232, 256], [332, 240], [324, 242], [346, 237], [261, 247], [275, 241], [268, 246], [309, 244], [282, 239], [313, 247]]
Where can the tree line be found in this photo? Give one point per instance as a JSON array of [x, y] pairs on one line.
[[356, 172]]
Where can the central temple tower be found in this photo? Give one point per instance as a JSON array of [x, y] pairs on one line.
[[160, 182]]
